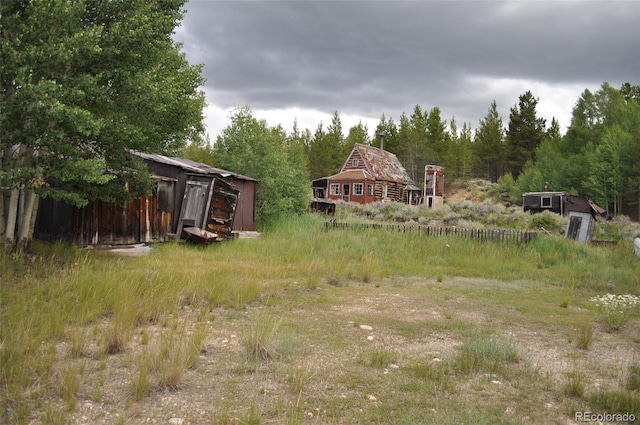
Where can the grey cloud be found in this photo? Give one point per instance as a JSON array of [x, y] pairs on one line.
[[374, 57]]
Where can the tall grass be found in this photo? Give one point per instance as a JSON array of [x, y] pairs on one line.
[[57, 292]]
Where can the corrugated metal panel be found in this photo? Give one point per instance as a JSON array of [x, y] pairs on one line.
[[191, 166]]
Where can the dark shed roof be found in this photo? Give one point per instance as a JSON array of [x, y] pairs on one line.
[[191, 166]]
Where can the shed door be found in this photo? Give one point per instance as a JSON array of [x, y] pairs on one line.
[[575, 222], [345, 192], [195, 203]]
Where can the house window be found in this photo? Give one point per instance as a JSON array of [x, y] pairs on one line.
[[370, 190], [355, 162], [335, 189], [546, 202], [357, 188]]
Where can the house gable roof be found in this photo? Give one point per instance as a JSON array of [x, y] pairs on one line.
[[382, 165]]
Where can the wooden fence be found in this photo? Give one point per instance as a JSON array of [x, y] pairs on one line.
[[498, 235]]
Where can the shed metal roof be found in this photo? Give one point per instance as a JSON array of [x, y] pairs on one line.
[[190, 166]]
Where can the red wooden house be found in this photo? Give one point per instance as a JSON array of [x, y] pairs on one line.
[[368, 175]]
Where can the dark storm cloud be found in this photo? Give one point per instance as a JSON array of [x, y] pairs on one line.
[[373, 57]]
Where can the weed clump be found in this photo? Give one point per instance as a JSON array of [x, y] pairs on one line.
[[267, 340], [633, 380], [485, 352], [575, 385], [585, 337]]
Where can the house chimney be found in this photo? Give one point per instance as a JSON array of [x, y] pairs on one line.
[[381, 135]]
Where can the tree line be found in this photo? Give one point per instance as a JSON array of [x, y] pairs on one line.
[[598, 157], [85, 82]]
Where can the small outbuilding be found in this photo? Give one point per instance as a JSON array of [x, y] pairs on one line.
[[186, 195], [433, 194], [560, 203], [181, 169]]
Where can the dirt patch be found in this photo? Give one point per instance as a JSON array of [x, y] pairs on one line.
[[328, 337]]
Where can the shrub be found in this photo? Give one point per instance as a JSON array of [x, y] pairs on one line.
[[268, 339], [618, 401], [544, 220], [616, 310], [378, 357]]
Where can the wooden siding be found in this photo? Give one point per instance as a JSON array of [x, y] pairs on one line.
[[245, 211], [365, 198], [103, 223], [395, 191], [349, 164]]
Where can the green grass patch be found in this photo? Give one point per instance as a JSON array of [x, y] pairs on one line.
[[483, 351]]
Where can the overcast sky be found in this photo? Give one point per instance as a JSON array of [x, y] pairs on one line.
[[306, 59]]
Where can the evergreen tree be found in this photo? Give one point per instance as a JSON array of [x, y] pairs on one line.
[[489, 145], [402, 138], [459, 166], [357, 134], [466, 150], [326, 154], [437, 151], [553, 132], [303, 140], [417, 149], [390, 131], [525, 133], [336, 136], [319, 163]]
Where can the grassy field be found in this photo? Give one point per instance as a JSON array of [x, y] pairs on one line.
[[304, 325]]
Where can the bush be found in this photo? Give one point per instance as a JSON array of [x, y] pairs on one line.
[[545, 220]]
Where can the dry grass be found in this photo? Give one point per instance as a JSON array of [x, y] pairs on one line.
[[262, 331]]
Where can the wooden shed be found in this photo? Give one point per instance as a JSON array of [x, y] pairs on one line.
[[181, 168], [186, 194], [560, 203]]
